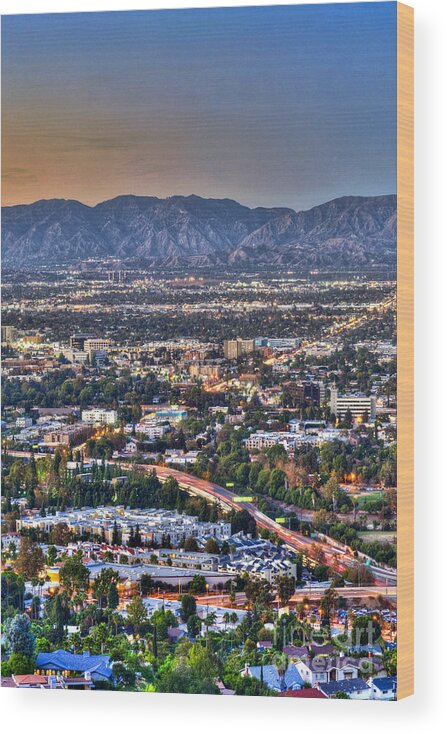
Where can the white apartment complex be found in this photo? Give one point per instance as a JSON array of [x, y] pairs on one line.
[[100, 415], [356, 403]]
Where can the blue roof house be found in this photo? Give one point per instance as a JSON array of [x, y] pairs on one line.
[[60, 661], [355, 688], [290, 681], [383, 689]]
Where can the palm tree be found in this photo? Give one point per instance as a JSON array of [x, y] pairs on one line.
[[226, 619], [209, 620], [116, 619], [34, 582], [101, 634], [264, 658], [233, 619], [79, 599], [281, 665]]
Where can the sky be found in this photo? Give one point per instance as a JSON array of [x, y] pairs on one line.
[[271, 106]]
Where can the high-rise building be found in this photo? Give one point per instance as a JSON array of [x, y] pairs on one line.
[[77, 341], [9, 334], [97, 344], [302, 394], [357, 403], [234, 348]]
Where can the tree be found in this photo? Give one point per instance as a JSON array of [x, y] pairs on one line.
[[58, 613], [188, 606], [202, 662], [116, 534], [51, 555], [198, 584], [327, 604], [161, 620], [74, 576], [365, 631], [211, 546], [390, 660], [13, 589], [136, 613], [194, 625], [30, 559], [102, 584], [299, 562], [18, 635], [209, 620], [113, 597], [258, 592], [286, 588], [247, 686], [347, 421], [330, 489], [60, 534], [20, 664], [359, 575], [146, 584], [321, 572], [190, 544]]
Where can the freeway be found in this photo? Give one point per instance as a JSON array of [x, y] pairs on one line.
[[337, 557], [25, 454]]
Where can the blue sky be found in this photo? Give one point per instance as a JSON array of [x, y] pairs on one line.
[[272, 106]]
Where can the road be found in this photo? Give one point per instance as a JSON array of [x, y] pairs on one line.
[[25, 454], [337, 558]]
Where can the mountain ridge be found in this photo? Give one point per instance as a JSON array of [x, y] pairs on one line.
[[183, 231]]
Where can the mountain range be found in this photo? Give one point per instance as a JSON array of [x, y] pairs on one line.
[[351, 232]]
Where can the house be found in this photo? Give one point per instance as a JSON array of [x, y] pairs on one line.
[[366, 650], [303, 693], [264, 644], [222, 690], [290, 680], [36, 680], [326, 649], [383, 689], [355, 689], [33, 680], [175, 634], [323, 669], [295, 651], [94, 667]]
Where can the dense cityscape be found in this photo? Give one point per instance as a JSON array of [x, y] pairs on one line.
[[199, 480]]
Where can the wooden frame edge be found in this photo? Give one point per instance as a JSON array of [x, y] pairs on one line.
[[405, 343]]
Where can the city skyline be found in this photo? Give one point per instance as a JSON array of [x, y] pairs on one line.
[[280, 106]]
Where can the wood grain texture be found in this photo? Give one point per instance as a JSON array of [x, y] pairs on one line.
[[405, 344]]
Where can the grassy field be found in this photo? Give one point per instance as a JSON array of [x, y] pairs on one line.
[[366, 498], [383, 536]]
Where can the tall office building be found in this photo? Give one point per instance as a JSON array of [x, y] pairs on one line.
[[77, 341], [302, 394], [9, 334], [97, 344], [234, 348]]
